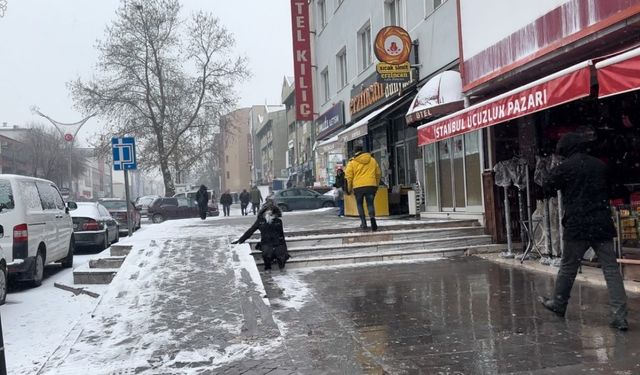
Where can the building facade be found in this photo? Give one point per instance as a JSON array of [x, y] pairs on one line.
[[270, 142], [235, 160], [299, 155]]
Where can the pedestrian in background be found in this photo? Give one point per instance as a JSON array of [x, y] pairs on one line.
[[202, 198], [226, 200], [256, 199], [245, 198], [363, 176], [341, 188], [587, 223], [273, 245]]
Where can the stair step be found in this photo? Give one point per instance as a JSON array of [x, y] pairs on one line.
[[120, 250], [386, 246], [112, 262], [357, 258], [339, 239], [94, 276]]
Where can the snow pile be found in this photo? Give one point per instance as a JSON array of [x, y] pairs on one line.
[[295, 292]]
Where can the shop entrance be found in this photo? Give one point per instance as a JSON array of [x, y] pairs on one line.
[[452, 172]]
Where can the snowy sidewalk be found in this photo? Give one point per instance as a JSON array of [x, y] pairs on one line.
[[185, 302]]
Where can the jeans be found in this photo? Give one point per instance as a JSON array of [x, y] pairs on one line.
[[368, 193], [255, 207], [571, 259], [243, 207], [340, 203], [226, 209]]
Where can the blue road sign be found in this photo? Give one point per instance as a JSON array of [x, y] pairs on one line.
[[124, 153]]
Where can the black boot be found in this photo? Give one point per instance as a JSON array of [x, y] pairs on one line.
[[374, 225], [363, 223], [553, 306]]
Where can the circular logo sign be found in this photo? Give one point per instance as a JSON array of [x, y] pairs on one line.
[[68, 137], [393, 45]]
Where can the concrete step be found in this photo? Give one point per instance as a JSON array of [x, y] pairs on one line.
[[362, 258], [120, 250], [383, 247], [339, 239], [93, 275], [111, 262], [351, 226]]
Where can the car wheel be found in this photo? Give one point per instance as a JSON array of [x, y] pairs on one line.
[[283, 207], [105, 243], [157, 218], [3, 283], [67, 262], [328, 204], [38, 270]]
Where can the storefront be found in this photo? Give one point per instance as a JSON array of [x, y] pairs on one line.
[[329, 149]]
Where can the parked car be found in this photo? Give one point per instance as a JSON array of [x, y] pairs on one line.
[[118, 209], [212, 202], [301, 199], [37, 227], [173, 208], [93, 225], [142, 204]]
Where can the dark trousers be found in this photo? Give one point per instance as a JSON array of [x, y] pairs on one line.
[[226, 208], [367, 193], [255, 207], [272, 253], [574, 250], [243, 208], [203, 212]]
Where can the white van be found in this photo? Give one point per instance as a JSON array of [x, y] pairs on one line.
[[37, 226]]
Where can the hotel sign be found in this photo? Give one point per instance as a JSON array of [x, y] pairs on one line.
[[302, 59]]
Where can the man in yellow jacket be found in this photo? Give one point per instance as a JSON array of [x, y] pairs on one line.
[[363, 177]]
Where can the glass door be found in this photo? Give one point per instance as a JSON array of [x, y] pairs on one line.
[[446, 176], [401, 165]]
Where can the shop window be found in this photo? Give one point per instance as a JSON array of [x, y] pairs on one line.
[[364, 47], [324, 79], [431, 187], [341, 68], [459, 172], [473, 168], [394, 13], [412, 155], [446, 175]]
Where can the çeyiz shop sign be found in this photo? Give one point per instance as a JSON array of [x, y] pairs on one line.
[[371, 92], [302, 59]]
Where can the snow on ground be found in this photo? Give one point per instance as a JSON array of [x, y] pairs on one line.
[[295, 292], [36, 320]]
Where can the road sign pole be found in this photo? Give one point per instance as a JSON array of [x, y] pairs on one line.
[[126, 194]]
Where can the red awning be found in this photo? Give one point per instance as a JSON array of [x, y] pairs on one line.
[[559, 88], [619, 74]]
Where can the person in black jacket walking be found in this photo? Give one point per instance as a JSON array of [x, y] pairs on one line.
[[202, 198], [587, 223], [245, 198], [226, 200], [272, 243]]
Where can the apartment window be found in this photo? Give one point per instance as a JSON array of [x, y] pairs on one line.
[[341, 68], [227, 158], [324, 78], [395, 13], [437, 3], [228, 175], [338, 3], [322, 13], [364, 46]]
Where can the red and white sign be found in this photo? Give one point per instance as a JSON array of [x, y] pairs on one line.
[[619, 74], [570, 84], [524, 31], [302, 59]]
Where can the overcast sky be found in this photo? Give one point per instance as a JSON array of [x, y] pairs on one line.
[[46, 43]]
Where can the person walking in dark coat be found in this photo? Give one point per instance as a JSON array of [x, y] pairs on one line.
[[256, 199], [226, 200], [202, 198], [341, 187], [245, 198], [272, 242], [587, 223]]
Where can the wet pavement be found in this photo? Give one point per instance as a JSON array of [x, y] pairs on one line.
[[463, 316]]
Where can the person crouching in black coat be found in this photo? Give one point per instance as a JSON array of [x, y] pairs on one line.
[[272, 243]]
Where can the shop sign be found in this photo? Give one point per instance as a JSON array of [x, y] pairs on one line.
[[371, 92], [302, 59], [331, 120], [543, 94], [393, 47]]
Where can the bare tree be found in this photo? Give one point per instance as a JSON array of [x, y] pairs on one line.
[[47, 154], [165, 80]]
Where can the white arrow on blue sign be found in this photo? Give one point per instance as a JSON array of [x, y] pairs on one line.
[[124, 153]]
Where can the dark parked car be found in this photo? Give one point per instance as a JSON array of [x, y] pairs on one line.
[[301, 199], [93, 225], [142, 203], [118, 209], [175, 208], [212, 201]]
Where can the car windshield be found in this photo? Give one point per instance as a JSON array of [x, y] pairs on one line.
[[114, 205], [146, 201]]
